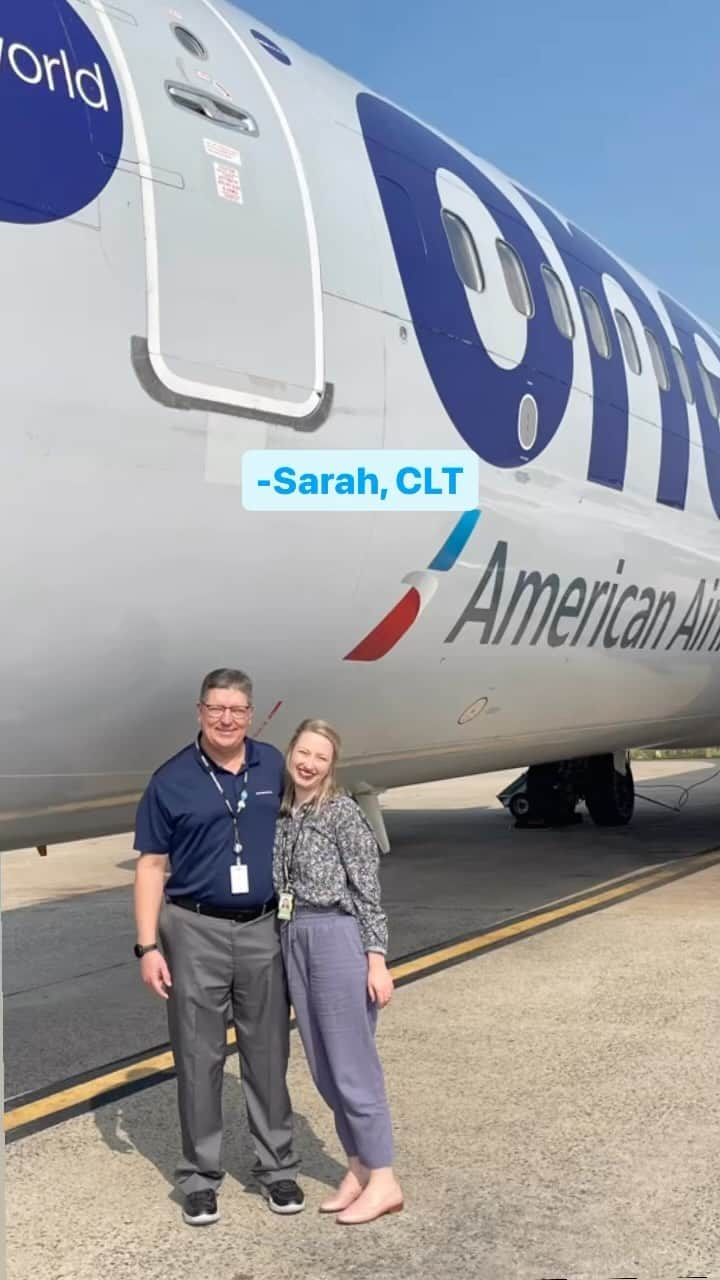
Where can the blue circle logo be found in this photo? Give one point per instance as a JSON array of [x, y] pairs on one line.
[[62, 123], [271, 47]]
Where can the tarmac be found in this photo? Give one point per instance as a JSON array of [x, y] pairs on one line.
[[89, 866], [555, 1104]]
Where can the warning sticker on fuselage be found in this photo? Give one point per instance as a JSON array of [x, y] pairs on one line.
[[220, 151], [227, 181]]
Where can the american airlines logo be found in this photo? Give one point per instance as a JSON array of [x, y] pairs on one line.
[[488, 392], [422, 585], [55, 73], [513, 607]]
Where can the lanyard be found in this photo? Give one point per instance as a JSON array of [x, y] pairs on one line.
[[288, 863], [241, 804]]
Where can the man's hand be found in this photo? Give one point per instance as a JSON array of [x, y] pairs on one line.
[[155, 973], [380, 984]]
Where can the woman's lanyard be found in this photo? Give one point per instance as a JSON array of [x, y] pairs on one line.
[[241, 804], [289, 862]]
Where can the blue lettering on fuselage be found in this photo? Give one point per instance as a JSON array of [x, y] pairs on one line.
[[586, 263], [685, 327], [483, 399], [62, 123]]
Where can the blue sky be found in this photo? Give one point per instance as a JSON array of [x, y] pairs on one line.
[[608, 110]]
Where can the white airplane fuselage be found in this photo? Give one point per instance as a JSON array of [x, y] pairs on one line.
[[245, 250]]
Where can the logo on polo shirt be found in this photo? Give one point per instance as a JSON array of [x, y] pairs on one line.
[[61, 114]]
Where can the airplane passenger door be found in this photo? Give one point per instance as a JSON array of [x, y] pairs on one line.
[[234, 301]]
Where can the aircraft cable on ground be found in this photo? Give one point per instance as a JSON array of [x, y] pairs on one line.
[[675, 786]]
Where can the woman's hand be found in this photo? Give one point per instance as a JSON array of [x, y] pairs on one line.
[[380, 984]]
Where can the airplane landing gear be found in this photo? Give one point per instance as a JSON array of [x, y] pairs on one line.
[[550, 797], [609, 792], [547, 795]]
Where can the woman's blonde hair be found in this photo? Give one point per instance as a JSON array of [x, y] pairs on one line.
[[330, 785]]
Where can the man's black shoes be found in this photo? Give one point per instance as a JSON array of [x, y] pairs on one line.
[[284, 1196], [200, 1208]]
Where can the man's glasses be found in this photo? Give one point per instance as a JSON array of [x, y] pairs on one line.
[[216, 713]]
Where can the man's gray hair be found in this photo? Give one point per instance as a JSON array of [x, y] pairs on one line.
[[226, 678]]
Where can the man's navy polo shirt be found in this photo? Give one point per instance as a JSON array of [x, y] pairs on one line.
[[183, 815]]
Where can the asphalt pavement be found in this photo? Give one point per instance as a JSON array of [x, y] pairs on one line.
[[73, 1000]]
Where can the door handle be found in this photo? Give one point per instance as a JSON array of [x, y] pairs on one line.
[[212, 108]]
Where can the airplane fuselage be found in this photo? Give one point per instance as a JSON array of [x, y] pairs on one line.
[[229, 246]]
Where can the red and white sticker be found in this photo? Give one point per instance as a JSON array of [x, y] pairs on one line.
[[220, 151], [227, 181]]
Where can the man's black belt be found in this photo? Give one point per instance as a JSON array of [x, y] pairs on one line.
[[223, 913]]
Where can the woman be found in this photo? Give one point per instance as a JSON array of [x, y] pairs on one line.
[[334, 940]]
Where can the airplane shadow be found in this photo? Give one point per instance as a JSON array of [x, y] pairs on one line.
[[125, 1129]]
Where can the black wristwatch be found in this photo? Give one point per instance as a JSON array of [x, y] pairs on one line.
[[142, 951]]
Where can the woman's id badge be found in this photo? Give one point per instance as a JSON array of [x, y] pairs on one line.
[[286, 903]]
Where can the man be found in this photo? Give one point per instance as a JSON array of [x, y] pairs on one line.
[[210, 813]]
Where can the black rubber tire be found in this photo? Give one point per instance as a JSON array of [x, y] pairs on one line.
[[609, 795], [519, 805], [549, 799]]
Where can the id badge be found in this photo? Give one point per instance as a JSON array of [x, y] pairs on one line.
[[239, 879], [286, 903]]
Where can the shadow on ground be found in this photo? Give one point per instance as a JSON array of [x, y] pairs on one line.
[[159, 1143]]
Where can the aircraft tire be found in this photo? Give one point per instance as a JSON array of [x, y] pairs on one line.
[[609, 795], [519, 806], [551, 802]]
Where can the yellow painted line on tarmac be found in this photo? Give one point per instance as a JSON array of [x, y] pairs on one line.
[[90, 1090], [516, 929], [86, 1092], [93, 1090]]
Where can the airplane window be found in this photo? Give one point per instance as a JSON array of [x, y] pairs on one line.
[[515, 279], [709, 389], [464, 252], [596, 324], [189, 42], [682, 374], [528, 422], [559, 305], [627, 338], [658, 360]]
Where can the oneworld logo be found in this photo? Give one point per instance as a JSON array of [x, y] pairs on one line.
[[55, 73], [61, 115]]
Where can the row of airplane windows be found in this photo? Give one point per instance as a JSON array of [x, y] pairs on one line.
[[467, 264]]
